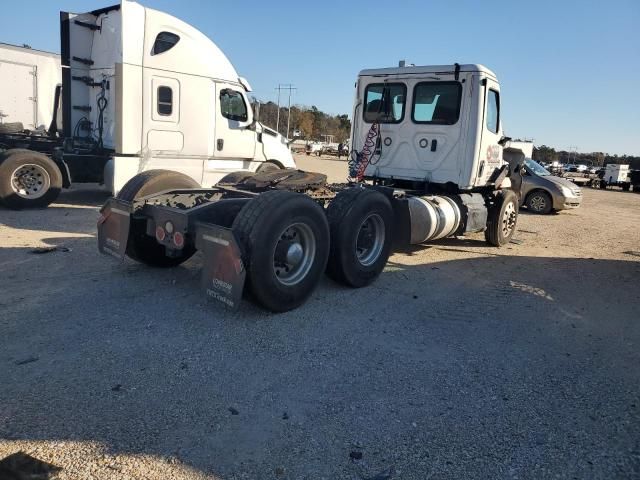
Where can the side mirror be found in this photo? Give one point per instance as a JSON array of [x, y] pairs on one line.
[[503, 141]]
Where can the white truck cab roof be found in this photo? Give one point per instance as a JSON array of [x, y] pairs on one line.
[[193, 51], [427, 69]]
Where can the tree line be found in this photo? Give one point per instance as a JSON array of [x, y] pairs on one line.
[[547, 154], [310, 122]]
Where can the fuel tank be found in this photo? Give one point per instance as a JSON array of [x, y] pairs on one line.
[[433, 217]]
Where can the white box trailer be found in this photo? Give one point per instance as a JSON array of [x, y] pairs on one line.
[[143, 90], [29, 78], [616, 173]]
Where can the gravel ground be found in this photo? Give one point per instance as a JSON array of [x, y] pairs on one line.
[[461, 361]]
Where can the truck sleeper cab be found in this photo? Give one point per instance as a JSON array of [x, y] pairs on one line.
[[144, 90], [278, 232], [172, 98]]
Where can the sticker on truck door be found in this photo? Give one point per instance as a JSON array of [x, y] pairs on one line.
[[493, 153]]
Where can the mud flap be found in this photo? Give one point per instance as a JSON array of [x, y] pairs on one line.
[[223, 272], [113, 227]]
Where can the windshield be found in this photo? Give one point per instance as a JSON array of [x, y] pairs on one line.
[[535, 167]]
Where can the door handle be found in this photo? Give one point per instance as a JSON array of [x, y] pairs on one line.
[[220, 144]]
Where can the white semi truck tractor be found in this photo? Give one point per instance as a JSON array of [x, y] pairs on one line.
[[142, 90], [427, 162]]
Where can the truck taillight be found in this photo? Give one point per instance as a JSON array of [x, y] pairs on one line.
[[160, 233], [178, 239]]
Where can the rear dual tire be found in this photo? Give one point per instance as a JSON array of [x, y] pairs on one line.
[[288, 242], [361, 223], [285, 242]]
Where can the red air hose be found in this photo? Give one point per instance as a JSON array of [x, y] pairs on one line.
[[358, 165]]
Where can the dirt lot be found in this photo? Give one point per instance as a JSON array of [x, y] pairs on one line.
[[461, 361]]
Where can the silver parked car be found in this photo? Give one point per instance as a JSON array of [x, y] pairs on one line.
[[542, 192]]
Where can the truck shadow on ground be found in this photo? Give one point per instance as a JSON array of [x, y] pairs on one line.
[[72, 208], [85, 195], [92, 195], [459, 368]]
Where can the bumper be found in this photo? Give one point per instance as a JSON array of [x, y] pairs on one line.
[[223, 271], [566, 203]]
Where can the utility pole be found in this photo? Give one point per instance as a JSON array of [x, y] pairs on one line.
[[291, 88], [572, 147], [256, 110], [278, 118], [280, 88]]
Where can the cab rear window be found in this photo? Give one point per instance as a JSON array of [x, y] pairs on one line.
[[437, 102], [384, 102]]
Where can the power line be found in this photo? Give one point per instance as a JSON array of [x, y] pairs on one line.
[[572, 147], [281, 87]]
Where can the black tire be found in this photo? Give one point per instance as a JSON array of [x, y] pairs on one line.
[[352, 214], [268, 167], [28, 179], [234, 178], [539, 202], [626, 187], [140, 246], [495, 234], [261, 227], [12, 127]]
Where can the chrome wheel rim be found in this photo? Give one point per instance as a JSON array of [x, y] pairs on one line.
[[294, 254], [370, 240], [30, 181], [509, 218], [538, 203]]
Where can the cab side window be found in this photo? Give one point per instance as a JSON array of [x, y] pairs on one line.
[[165, 101], [493, 111], [232, 105], [165, 41]]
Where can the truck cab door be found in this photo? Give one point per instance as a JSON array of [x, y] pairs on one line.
[[234, 139], [490, 155]]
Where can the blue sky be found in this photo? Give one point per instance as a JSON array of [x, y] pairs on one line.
[[569, 70]]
